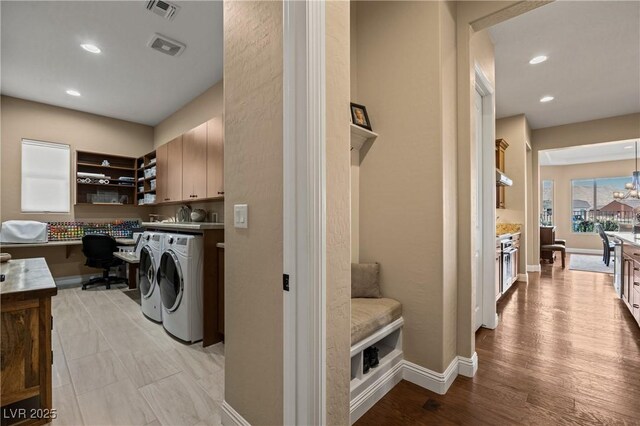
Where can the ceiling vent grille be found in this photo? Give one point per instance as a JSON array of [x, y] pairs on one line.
[[166, 45], [163, 8]]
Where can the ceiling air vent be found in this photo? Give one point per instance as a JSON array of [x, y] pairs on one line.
[[163, 8], [166, 45]]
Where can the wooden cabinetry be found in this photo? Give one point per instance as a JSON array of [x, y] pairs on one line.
[[194, 163], [146, 179], [162, 172], [501, 146], [169, 171], [213, 288], [26, 344], [104, 179], [215, 158], [631, 280]]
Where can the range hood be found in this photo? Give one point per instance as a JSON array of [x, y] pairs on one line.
[[502, 179]]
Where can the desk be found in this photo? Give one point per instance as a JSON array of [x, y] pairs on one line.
[[67, 244], [132, 260]]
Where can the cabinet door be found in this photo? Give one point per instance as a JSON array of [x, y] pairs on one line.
[[162, 173], [215, 158], [174, 184], [194, 163]]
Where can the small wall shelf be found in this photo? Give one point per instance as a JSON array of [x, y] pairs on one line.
[[360, 135]]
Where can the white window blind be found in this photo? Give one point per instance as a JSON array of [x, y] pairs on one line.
[[46, 175]]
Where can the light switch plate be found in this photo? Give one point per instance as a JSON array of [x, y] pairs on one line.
[[240, 216]]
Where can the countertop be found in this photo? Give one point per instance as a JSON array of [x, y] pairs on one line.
[[626, 237], [186, 226], [121, 241], [27, 276], [502, 236]]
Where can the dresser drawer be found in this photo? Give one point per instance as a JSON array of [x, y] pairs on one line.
[[633, 252]]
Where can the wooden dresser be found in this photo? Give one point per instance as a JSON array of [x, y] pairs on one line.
[[25, 307]]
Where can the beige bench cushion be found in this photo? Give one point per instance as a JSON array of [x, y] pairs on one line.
[[370, 315]]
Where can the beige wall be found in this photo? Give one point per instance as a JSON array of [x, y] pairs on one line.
[[472, 16], [400, 51], [253, 58], [207, 105], [201, 109], [575, 134], [561, 177], [338, 242], [83, 131], [515, 130], [355, 155]]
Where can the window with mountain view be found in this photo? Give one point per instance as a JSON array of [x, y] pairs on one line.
[[592, 202]]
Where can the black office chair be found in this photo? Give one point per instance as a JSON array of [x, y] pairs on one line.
[[608, 247], [99, 250]]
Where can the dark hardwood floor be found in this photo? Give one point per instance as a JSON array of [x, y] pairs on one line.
[[566, 351]]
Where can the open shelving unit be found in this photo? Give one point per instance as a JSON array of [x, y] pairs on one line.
[[90, 191], [388, 340], [146, 179]]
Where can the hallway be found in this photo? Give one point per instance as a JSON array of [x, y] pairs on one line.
[[566, 351]]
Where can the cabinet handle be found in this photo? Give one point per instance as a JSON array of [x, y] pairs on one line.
[[636, 283], [220, 192], [635, 305]]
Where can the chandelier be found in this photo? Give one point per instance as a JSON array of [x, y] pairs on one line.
[[633, 187]]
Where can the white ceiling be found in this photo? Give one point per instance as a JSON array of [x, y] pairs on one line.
[[42, 58], [593, 70], [595, 153]]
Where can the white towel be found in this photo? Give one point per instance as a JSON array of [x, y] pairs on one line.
[[23, 231]]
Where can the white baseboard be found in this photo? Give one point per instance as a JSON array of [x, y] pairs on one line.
[[468, 366], [533, 268], [231, 417], [374, 393], [429, 379], [584, 251], [523, 278]]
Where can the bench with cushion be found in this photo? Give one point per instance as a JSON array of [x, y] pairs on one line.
[[370, 315], [377, 322]]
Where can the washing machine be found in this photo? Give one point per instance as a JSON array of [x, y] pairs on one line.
[[149, 250], [180, 279]]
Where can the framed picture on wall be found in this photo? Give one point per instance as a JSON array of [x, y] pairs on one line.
[[359, 116]]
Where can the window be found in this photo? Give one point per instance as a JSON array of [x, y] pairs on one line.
[[546, 214], [46, 177], [592, 202]]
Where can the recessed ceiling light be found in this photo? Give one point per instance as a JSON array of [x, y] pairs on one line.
[[628, 147], [73, 92], [538, 60], [91, 48], [546, 99]]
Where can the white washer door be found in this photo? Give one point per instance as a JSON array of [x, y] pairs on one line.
[[171, 281], [147, 272]]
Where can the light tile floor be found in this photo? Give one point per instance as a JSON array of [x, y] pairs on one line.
[[112, 366]]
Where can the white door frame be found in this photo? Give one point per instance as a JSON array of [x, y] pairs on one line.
[[304, 156], [486, 286]]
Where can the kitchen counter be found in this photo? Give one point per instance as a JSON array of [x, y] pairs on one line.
[[183, 226], [626, 237], [27, 276], [503, 236]]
